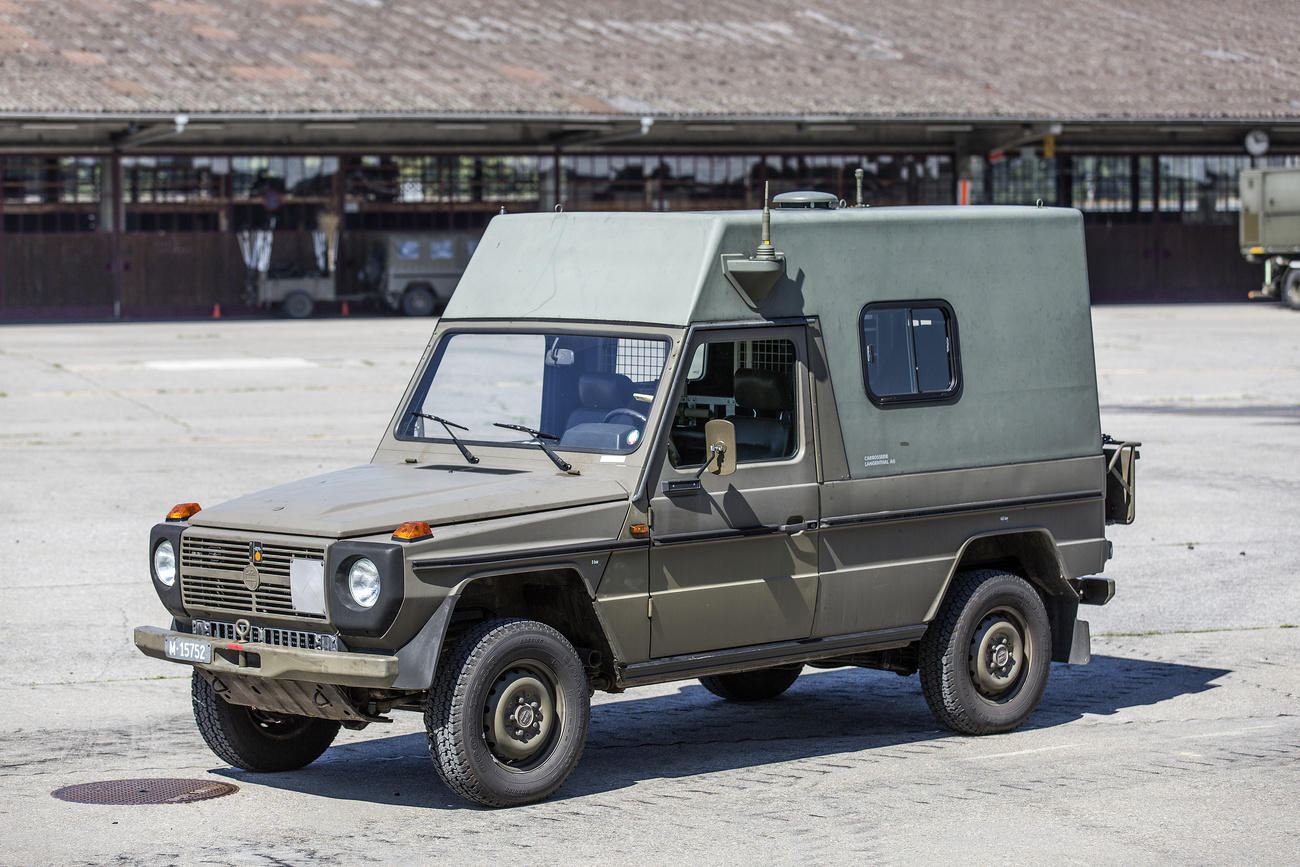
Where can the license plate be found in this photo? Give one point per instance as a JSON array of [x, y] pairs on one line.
[[188, 650]]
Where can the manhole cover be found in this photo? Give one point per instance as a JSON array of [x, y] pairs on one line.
[[167, 790]]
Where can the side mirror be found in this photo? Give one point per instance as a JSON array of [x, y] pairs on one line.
[[720, 435]]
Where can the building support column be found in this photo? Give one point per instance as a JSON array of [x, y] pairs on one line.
[[111, 212]]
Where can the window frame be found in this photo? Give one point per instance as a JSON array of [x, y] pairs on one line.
[[704, 337], [922, 398], [434, 358]]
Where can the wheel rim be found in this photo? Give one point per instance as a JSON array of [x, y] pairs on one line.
[[420, 302], [1000, 655], [522, 715], [277, 727]]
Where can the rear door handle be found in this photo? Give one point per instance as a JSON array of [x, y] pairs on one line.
[[797, 527]]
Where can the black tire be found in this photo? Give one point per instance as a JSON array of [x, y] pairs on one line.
[[483, 749], [984, 660], [298, 305], [258, 740], [1290, 294], [757, 685], [419, 301]]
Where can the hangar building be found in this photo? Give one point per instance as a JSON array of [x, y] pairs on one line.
[[141, 139]]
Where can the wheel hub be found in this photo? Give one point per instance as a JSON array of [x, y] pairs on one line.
[[519, 715], [997, 655]]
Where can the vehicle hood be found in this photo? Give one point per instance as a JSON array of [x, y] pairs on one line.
[[376, 498]]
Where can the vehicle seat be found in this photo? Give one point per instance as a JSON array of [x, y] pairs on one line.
[[763, 420], [599, 393]]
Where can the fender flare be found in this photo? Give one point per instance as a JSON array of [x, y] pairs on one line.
[[1046, 571]]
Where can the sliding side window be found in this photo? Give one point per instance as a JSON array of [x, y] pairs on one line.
[[909, 353]]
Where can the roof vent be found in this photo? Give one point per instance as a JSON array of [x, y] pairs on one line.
[[806, 199]]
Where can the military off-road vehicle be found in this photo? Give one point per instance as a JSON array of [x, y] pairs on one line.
[[637, 449], [1269, 230]]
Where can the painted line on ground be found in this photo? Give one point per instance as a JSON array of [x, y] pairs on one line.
[[1018, 753], [193, 364]]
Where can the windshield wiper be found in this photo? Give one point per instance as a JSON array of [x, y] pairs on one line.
[[540, 439], [447, 426]]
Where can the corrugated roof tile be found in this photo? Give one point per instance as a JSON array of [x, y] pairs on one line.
[[1202, 58]]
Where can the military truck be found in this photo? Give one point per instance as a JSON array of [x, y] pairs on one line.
[[1269, 230], [413, 273], [641, 448]]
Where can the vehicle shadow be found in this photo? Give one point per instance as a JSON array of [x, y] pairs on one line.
[[691, 732]]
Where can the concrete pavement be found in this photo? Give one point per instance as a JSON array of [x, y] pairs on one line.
[[1175, 744]]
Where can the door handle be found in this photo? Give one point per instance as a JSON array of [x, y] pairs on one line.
[[797, 527]]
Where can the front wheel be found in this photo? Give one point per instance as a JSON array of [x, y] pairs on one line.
[[1291, 290], [985, 658], [507, 717], [257, 740]]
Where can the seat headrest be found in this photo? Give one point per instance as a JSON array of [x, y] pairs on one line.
[[763, 390], [604, 390]]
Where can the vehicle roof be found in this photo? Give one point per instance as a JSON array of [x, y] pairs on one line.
[[666, 268]]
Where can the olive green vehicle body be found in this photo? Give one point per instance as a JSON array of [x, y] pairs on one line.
[[839, 553]]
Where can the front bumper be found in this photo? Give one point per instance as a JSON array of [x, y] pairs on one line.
[[255, 659]]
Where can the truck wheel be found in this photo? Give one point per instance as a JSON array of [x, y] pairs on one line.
[[752, 685], [507, 717], [1291, 290], [258, 740], [985, 658], [418, 301], [298, 305]]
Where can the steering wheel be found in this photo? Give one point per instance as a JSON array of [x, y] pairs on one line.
[[622, 410]]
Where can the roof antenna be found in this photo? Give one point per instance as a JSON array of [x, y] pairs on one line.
[[754, 278], [857, 175], [765, 249]]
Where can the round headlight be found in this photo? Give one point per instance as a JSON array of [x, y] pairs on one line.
[[363, 583], [164, 563]]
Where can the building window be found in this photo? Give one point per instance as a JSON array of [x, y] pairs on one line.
[[909, 352], [1201, 189], [49, 195]]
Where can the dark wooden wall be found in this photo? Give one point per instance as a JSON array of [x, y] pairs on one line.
[[190, 272], [1167, 262]]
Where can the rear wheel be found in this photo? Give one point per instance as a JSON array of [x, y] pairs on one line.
[[1291, 290], [298, 305], [984, 660], [507, 717], [258, 740], [418, 301], [752, 685]]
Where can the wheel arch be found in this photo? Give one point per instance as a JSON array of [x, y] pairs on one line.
[[1031, 553], [555, 595]]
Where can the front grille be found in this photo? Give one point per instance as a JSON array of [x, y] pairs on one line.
[[268, 635], [212, 575]]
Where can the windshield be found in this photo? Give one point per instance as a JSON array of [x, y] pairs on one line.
[[590, 393]]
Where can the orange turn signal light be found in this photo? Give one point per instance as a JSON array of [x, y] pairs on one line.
[[182, 511], [639, 530], [412, 531]]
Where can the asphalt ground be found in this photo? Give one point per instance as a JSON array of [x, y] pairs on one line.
[[1178, 743]]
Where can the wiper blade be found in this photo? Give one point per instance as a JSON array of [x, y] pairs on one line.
[[447, 426], [540, 439]]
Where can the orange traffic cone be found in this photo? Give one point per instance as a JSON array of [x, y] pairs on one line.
[[345, 308], [216, 311]]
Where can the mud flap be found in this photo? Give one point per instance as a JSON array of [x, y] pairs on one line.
[[1080, 644], [417, 661]]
